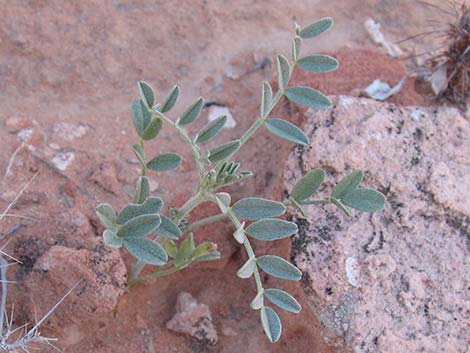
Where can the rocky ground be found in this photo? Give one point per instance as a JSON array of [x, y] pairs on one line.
[[67, 78]]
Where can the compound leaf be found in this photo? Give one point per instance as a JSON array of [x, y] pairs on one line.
[[308, 96], [164, 162], [257, 208], [308, 185], [192, 112], [283, 300], [271, 229], [146, 251], [271, 323], [211, 130], [152, 205], [367, 200], [286, 130], [224, 151], [146, 93], [316, 28], [171, 99], [139, 226], [278, 267], [318, 63]]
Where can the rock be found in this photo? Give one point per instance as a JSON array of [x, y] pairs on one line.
[[194, 319], [63, 159], [395, 281], [216, 111], [106, 176], [68, 132], [99, 274], [17, 123]]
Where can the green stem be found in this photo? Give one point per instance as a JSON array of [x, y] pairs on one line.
[[156, 274], [315, 202], [204, 221], [194, 148], [184, 210]]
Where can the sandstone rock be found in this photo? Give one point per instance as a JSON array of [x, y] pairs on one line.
[[100, 276], [396, 281], [194, 319]]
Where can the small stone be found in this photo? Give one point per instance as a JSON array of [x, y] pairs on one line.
[[62, 160], [193, 319], [17, 123], [68, 132], [216, 111]]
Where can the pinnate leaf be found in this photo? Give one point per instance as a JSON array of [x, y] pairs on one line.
[[257, 208], [278, 267], [286, 130], [146, 251]]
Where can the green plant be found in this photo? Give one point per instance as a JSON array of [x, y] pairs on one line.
[[217, 169]]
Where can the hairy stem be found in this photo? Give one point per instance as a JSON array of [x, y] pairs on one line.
[[204, 221], [156, 274]]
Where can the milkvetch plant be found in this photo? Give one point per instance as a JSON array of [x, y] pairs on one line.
[[166, 241]]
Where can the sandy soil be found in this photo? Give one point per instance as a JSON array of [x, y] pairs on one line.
[[77, 62]]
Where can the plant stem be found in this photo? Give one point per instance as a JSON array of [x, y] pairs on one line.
[[316, 202], [184, 210], [204, 221], [158, 273], [194, 148]]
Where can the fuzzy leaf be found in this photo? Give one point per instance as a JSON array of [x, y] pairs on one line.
[[146, 251], [211, 130], [192, 112], [152, 129], [316, 28], [283, 300], [266, 99], [318, 63], [296, 45], [139, 226], [168, 229], [171, 99], [139, 153], [271, 323], [308, 96], [348, 183], [257, 302], [287, 131], [170, 248], [106, 215], [246, 271], [278, 267], [186, 249], [142, 190], [283, 71], [146, 93], [215, 255], [110, 239], [257, 208], [223, 201], [271, 229], [140, 116], [367, 200], [239, 234], [308, 185], [164, 162], [152, 205], [224, 151], [203, 250]]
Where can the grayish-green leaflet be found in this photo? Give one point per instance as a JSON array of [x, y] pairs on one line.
[[192, 112], [142, 190], [258, 208], [366, 200], [316, 28], [283, 71], [318, 63], [224, 151], [106, 215], [146, 251], [283, 300], [151, 205], [271, 323], [171, 99], [168, 229], [286, 130], [347, 184], [308, 96], [146, 93], [139, 226], [308, 185], [271, 229], [211, 130], [278, 267], [164, 162], [110, 239], [140, 116]]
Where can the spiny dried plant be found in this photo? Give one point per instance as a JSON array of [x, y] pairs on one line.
[[166, 241]]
